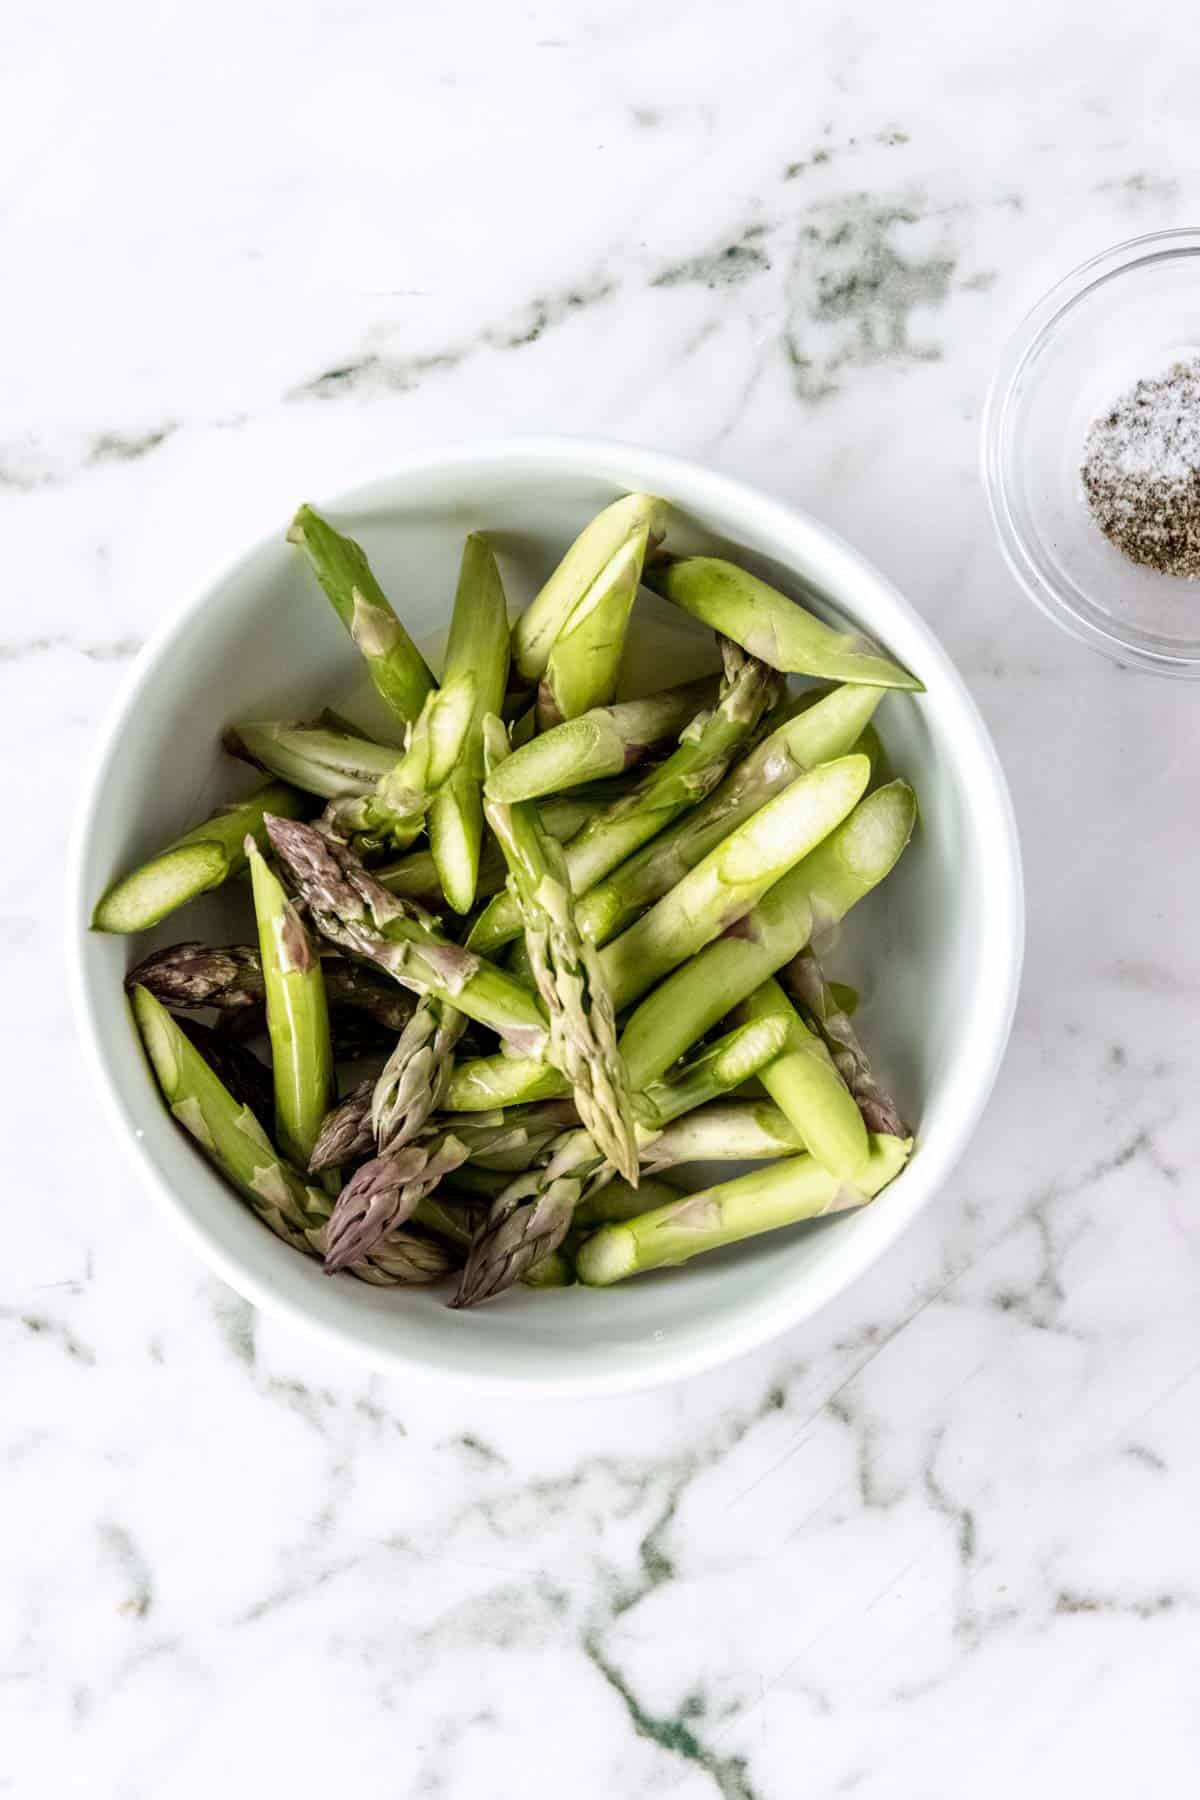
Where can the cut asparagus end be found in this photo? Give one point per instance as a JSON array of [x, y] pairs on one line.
[[771, 626], [576, 751], [777, 836], [455, 834], [582, 668], [542, 621], [608, 1256], [140, 900], [785, 1193]]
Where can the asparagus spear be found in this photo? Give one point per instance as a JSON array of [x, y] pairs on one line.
[[582, 668], [616, 1200], [532, 1216], [584, 565], [346, 1134], [583, 1034], [297, 1015], [853, 860], [764, 1200], [230, 1134], [393, 812], [731, 879], [704, 753], [821, 889], [351, 909], [804, 979], [397, 667], [477, 653], [605, 741], [413, 1079], [383, 1193], [808, 1089], [771, 626], [829, 727], [725, 1131], [416, 877], [321, 759], [199, 860], [234, 1140]]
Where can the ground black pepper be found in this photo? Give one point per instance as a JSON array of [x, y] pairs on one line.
[[1141, 472]]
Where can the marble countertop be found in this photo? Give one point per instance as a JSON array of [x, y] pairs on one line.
[[942, 1538]]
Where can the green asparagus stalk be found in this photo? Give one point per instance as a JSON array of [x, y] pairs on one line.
[[765, 1200], [297, 1015], [229, 1133], [351, 909], [230, 979], [199, 860], [234, 1140], [828, 728], [725, 1131], [584, 565], [583, 1034], [383, 1194], [769, 625], [584, 659], [820, 999], [818, 891], [416, 877], [486, 1082], [532, 1216], [396, 665], [477, 653], [394, 811], [616, 1201], [705, 750], [318, 758], [808, 1089], [605, 741], [733, 878]]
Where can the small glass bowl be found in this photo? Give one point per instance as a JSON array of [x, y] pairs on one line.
[[1129, 313]]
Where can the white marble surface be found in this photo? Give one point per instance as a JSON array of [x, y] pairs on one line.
[[942, 1539]]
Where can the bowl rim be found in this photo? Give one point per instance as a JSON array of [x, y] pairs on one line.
[[1023, 344], [790, 529]]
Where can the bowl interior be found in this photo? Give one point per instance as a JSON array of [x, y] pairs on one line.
[[934, 953], [1103, 330]]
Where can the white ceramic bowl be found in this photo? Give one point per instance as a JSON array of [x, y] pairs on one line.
[[936, 952]]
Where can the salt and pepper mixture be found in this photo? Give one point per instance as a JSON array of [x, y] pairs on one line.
[[1141, 471]]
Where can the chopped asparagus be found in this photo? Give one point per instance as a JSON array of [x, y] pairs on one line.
[[605, 741], [297, 1015], [201, 859], [769, 625], [731, 879], [584, 565], [351, 909], [765, 1200], [808, 1089], [824, 1002], [821, 889], [583, 1033], [477, 653], [582, 668], [321, 759], [830, 727], [397, 667], [705, 750]]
